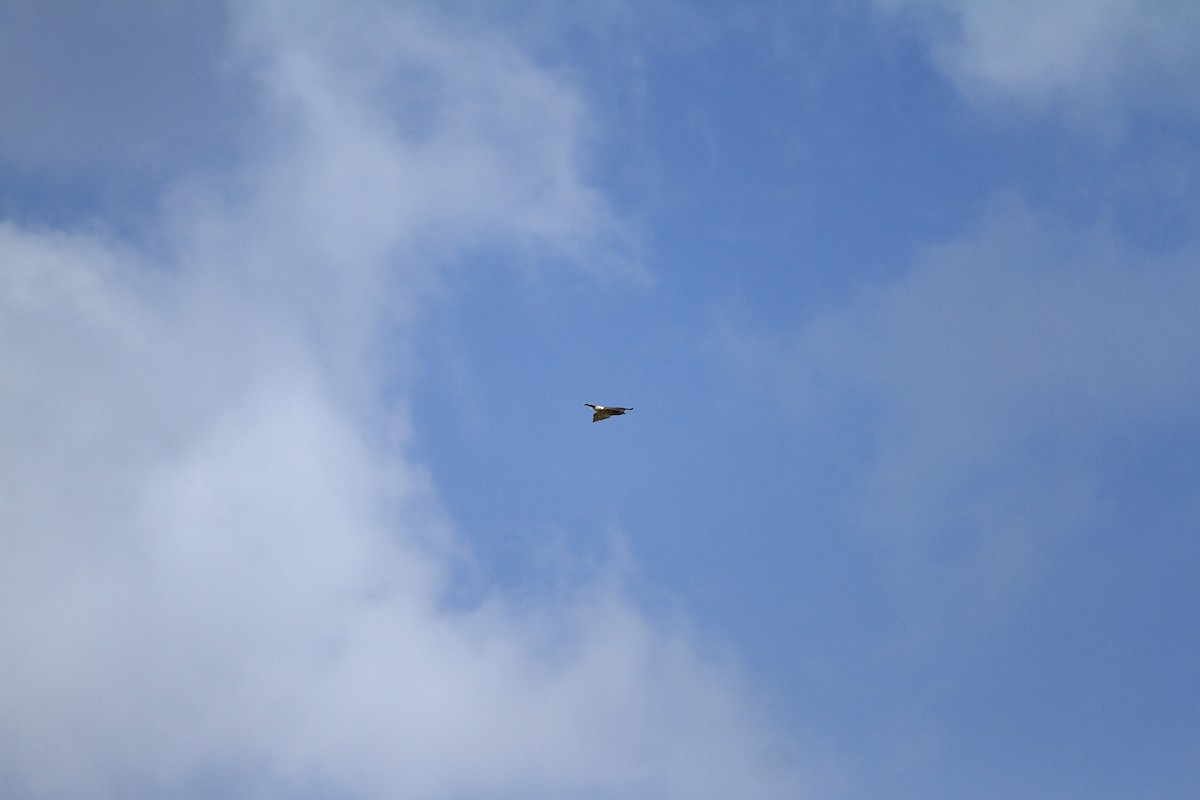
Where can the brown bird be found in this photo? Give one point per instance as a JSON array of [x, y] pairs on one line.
[[604, 412]]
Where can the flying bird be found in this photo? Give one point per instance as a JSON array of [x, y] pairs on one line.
[[604, 412]]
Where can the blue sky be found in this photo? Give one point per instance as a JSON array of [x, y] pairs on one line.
[[300, 303]]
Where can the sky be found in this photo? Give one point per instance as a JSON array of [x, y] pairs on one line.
[[300, 304]]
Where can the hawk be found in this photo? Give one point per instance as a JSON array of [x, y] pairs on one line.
[[604, 412]]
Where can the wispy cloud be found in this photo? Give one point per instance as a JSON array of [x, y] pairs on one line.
[[223, 574], [1000, 382], [1089, 62]]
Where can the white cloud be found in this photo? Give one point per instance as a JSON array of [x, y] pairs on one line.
[[1088, 60], [222, 576], [1000, 382]]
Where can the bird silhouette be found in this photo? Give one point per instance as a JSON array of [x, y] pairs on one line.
[[604, 412]]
